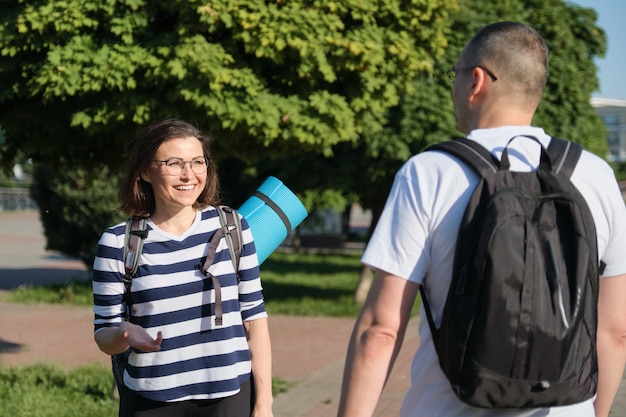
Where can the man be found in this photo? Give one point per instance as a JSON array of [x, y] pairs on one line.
[[498, 82]]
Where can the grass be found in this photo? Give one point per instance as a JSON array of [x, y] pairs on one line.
[[294, 284], [311, 285], [48, 391], [44, 390], [76, 292]]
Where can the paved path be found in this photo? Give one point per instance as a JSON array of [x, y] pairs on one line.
[[23, 257], [308, 351]]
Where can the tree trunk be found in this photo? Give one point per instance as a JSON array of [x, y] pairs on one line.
[[367, 275], [363, 286]]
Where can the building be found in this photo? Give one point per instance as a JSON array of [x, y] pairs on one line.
[[613, 114]]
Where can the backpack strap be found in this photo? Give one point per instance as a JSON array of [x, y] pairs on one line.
[[480, 160], [429, 315], [471, 153], [229, 221], [564, 155], [135, 233]]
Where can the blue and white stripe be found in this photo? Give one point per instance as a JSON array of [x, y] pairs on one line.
[[169, 293]]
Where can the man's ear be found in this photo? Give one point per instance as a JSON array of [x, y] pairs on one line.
[[478, 84]]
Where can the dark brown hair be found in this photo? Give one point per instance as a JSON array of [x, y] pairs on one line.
[[136, 195]]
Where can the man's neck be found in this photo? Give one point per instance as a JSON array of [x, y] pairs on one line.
[[501, 117]]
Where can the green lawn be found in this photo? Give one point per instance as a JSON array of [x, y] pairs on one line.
[[48, 391], [294, 284], [44, 390]]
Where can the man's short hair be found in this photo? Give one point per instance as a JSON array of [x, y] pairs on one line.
[[516, 53]]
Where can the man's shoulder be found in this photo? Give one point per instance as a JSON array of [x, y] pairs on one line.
[[590, 160]]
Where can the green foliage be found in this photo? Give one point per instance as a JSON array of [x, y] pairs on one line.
[[76, 206], [426, 114], [574, 41], [324, 95], [44, 390], [364, 170], [78, 77], [620, 170], [47, 391]]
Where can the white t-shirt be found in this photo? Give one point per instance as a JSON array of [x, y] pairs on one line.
[[416, 236]]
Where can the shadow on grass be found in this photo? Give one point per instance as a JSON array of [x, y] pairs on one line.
[[14, 278]]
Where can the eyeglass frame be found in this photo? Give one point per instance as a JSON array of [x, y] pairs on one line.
[[184, 163], [451, 73]]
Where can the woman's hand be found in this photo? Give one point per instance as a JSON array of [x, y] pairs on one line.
[[136, 337]]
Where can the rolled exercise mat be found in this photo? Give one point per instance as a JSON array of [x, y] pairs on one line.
[[272, 212]]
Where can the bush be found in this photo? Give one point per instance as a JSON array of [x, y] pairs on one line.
[[75, 207]]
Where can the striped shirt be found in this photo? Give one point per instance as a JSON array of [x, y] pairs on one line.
[[198, 359]]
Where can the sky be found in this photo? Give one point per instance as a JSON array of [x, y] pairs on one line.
[[611, 68]]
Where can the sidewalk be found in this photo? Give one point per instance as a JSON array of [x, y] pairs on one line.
[[23, 257], [308, 352]]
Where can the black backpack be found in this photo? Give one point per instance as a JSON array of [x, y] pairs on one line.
[[519, 323], [135, 233]]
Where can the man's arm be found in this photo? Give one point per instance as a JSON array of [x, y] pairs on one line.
[[611, 341], [375, 343]]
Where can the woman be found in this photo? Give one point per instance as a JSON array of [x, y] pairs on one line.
[[182, 362]]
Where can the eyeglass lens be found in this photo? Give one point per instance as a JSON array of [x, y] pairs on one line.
[[175, 166]]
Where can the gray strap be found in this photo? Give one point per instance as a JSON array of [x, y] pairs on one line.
[[565, 155], [135, 233], [471, 153], [218, 300], [229, 221]]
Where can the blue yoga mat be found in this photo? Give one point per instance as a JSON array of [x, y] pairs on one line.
[[272, 212]]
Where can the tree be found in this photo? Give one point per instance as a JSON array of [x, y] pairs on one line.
[[262, 77], [425, 114], [77, 78]]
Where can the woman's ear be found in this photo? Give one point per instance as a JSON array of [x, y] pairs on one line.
[[144, 176]]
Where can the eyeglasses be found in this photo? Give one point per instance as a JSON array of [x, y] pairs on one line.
[[176, 166], [451, 73]]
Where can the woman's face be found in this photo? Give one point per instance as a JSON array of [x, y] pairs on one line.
[[175, 189]]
